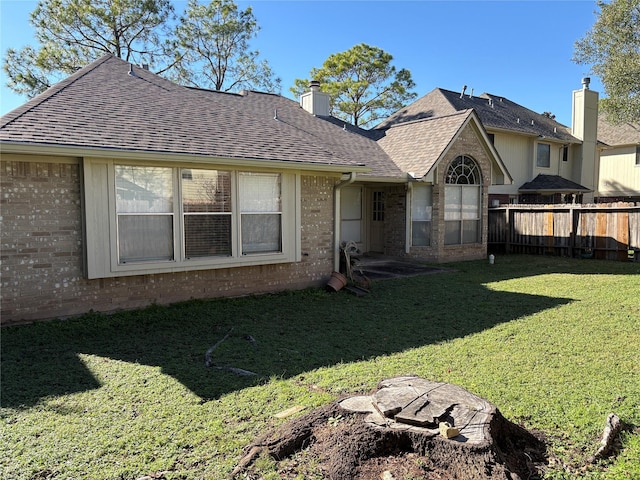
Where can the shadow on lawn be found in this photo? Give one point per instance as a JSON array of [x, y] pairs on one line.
[[294, 332]]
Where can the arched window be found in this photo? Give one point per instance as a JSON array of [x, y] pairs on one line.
[[463, 202]]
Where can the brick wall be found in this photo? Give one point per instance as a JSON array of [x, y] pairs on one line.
[[41, 275], [395, 221]]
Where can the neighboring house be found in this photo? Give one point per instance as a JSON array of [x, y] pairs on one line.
[[121, 189], [549, 162], [619, 147]]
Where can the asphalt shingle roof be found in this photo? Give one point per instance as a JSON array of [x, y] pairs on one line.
[[416, 146], [620, 134], [554, 183], [113, 105], [495, 112]]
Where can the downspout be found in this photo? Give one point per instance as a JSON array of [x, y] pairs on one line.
[[408, 225], [336, 219]]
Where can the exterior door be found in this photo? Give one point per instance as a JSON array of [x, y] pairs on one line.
[[376, 237]]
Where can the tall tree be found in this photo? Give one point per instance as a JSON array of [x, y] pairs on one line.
[[363, 85], [72, 33], [214, 41], [612, 48]]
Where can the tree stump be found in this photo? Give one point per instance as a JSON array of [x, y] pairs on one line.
[[410, 426]]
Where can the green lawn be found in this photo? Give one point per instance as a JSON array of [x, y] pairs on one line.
[[553, 342]]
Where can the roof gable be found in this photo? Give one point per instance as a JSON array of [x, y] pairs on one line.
[[418, 146]]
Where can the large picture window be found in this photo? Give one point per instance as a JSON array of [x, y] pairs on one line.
[[463, 201], [421, 213], [147, 219]]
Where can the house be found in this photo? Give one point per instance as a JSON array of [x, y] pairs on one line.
[[122, 189], [549, 162], [619, 152]]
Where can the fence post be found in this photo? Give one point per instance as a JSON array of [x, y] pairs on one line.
[[573, 229], [507, 247]]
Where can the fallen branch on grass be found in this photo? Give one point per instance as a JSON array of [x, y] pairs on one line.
[[612, 429], [209, 363]]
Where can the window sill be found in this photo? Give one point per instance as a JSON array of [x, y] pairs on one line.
[[141, 268]]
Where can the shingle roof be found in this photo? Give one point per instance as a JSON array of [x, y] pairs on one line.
[[113, 105], [552, 183], [618, 134], [416, 146], [494, 111]]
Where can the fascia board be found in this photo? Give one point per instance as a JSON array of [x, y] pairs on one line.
[[61, 150]]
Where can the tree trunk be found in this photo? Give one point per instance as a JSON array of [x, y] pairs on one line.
[[451, 431]]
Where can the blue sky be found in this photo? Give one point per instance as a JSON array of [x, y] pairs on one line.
[[517, 49]]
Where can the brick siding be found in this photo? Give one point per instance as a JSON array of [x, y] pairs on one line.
[[42, 270]]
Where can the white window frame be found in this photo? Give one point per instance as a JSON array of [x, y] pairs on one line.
[[458, 185], [101, 235], [422, 196]]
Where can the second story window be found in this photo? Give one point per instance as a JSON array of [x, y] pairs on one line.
[[543, 157]]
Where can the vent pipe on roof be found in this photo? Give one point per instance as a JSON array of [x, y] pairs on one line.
[[471, 94], [464, 89]]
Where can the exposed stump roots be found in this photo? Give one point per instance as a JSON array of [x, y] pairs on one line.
[[409, 426]]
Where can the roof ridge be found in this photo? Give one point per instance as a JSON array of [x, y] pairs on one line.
[[466, 112], [52, 91]]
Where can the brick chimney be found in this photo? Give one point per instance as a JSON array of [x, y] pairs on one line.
[[314, 101], [584, 126]]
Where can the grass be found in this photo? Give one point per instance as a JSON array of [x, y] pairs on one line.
[[553, 342]]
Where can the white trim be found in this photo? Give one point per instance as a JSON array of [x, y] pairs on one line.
[[132, 155]]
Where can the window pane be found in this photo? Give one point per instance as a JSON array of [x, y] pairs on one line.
[[470, 203], [452, 202], [145, 237], [421, 203], [259, 192], [378, 207], [452, 232], [421, 234], [261, 233], [350, 203], [470, 231], [543, 158], [144, 189], [350, 231], [207, 235], [206, 191]]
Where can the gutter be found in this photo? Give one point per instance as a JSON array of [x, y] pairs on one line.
[[336, 219], [182, 158]]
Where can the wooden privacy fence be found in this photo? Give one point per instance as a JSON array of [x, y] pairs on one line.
[[605, 231]]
